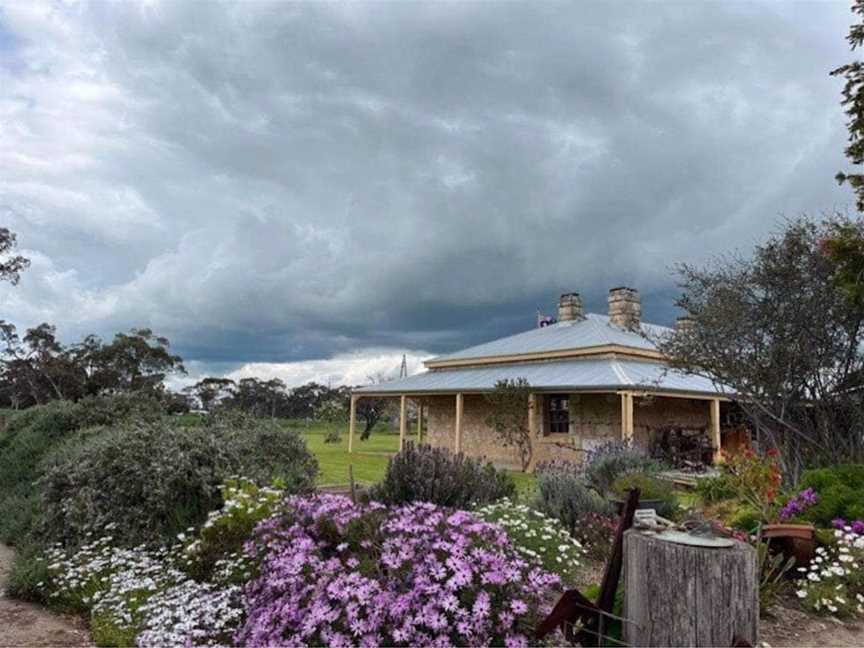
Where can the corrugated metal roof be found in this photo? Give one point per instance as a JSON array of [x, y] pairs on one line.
[[594, 330], [589, 373]]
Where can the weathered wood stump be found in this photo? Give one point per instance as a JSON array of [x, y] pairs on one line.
[[682, 595]]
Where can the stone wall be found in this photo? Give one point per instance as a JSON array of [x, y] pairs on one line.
[[594, 419]]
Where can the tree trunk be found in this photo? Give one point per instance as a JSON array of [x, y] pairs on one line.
[[682, 595]]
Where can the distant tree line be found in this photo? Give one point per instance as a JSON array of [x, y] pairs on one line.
[[36, 368]]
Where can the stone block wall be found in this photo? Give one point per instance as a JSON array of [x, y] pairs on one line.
[[594, 419]]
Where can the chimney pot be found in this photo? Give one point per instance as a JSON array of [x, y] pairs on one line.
[[570, 308], [625, 308]]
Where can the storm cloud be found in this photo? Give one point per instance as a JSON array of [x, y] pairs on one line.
[[274, 183]]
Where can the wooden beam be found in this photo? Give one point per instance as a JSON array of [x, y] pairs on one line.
[[403, 420], [716, 441], [460, 404], [352, 422]]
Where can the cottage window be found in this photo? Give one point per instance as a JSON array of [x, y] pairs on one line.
[[558, 414]]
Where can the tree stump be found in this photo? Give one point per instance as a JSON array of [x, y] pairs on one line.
[[682, 595]]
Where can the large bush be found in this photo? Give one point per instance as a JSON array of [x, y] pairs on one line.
[[605, 463], [420, 473], [27, 437], [840, 490], [159, 478], [564, 495], [336, 574]]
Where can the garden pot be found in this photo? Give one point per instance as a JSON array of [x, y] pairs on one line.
[[793, 540]]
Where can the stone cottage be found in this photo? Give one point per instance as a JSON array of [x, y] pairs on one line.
[[593, 377]]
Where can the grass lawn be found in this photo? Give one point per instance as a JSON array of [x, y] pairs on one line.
[[369, 457]]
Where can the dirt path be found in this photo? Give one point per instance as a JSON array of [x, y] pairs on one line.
[[790, 627], [25, 624]]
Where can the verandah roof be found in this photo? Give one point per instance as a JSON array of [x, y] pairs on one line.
[[589, 374]]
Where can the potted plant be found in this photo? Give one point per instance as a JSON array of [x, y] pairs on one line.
[[756, 479]]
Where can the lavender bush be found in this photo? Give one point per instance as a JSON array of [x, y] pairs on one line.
[[421, 473], [607, 462], [563, 494], [337, 574]]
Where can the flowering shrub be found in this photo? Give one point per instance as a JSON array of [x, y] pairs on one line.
[[139, 593], [421, 473], [596, 532], [337, 574], [834, 581], [856, 526], [755, 479], [537, 537], [219, 542], [190, 613], [798, 504], [839, 489]]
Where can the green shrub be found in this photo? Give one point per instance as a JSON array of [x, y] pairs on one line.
[[159, 478], [840, 491], [19, 511], [28, 574], [220, 539], [420, 473], [107, 410], [28, 436], [746, 518], [605, 463], [564, 495], [714, 489], [650, 488], [537, 537]]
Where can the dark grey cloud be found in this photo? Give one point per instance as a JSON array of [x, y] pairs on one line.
[[281, 182]]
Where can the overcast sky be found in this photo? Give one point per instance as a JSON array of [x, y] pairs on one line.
[[289, 184]]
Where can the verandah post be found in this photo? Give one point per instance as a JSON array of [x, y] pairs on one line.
[[716, 441], [403, 420], [459, 408], [352, 422]]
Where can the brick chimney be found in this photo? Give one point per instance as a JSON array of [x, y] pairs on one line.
[[570, 307], [684, 324], [625, 308]]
